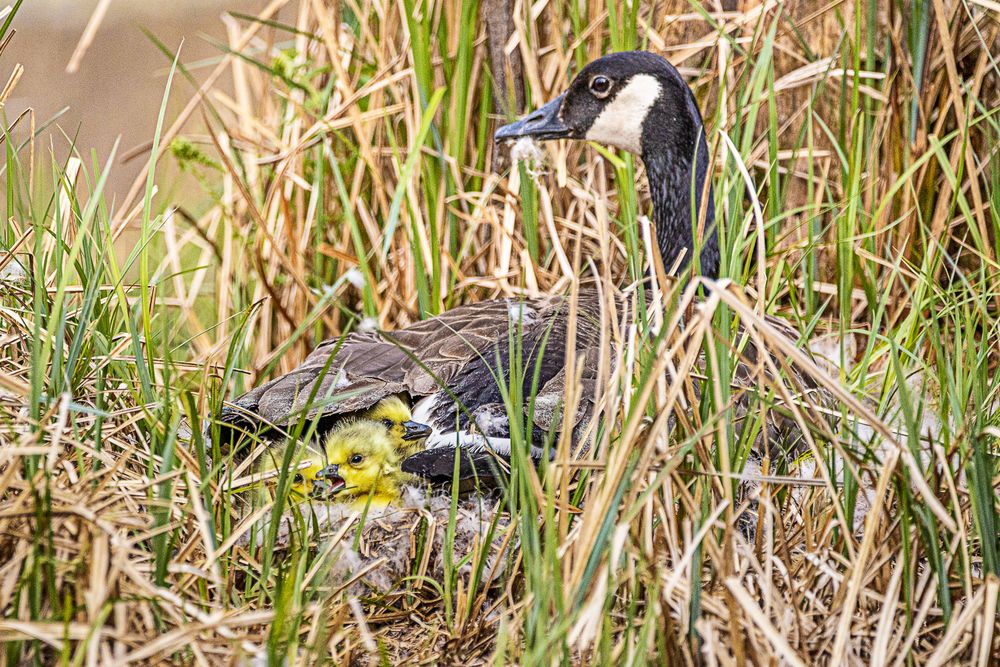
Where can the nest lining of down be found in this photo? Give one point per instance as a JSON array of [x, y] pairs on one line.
[[398, 544]]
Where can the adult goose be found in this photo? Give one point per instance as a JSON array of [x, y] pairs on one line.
[[449, 364]]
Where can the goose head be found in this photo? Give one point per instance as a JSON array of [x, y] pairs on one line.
[[638, 102]]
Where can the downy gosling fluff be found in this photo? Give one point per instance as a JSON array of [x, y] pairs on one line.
[[407, 435], [363, 465], [386, 431]]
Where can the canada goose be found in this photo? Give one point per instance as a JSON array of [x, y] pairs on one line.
[[356, 468], [636, 101]]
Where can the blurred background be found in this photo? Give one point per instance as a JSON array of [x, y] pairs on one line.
[[118, 85]]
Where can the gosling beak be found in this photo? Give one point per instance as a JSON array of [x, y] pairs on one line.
[[543, 123], [415, 430], [332, 481]]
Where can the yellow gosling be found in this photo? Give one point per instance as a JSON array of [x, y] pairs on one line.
[[407, 436], [306, 462], [363, 464], [383, 436]]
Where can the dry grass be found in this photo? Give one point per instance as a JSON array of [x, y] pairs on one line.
[[346, 168]]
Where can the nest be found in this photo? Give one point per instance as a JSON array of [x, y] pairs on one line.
[[374, 553]]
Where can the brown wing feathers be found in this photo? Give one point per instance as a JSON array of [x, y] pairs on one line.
[[456, 350]]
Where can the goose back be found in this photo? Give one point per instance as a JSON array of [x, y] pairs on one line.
[[464, 354]]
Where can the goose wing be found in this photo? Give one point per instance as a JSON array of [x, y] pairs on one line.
[[483, 451], [550, 402], [539, 355], [469, 417], [354, 372]]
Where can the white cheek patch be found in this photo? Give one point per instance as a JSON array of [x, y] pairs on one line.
[[620, 124]]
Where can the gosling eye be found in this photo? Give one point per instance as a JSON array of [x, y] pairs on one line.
[[357, 459], [298, 479], [387, 423], [600, 86]]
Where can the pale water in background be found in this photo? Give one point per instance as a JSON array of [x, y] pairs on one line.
[[119, 86]]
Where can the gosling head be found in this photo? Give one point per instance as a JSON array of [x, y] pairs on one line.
[[407, 435], [305, 463], [362, 462]]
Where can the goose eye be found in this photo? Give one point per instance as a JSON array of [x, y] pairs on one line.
[[600, 86], [387, 423], [298, 479], [357, 459]]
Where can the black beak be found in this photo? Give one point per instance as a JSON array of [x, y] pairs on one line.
[[415, 430], [332, 470], [543, 123], [333, 482]]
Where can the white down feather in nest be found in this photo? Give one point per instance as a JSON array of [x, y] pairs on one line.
[[404, 540]]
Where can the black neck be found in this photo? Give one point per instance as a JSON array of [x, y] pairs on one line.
[[669, 168]]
